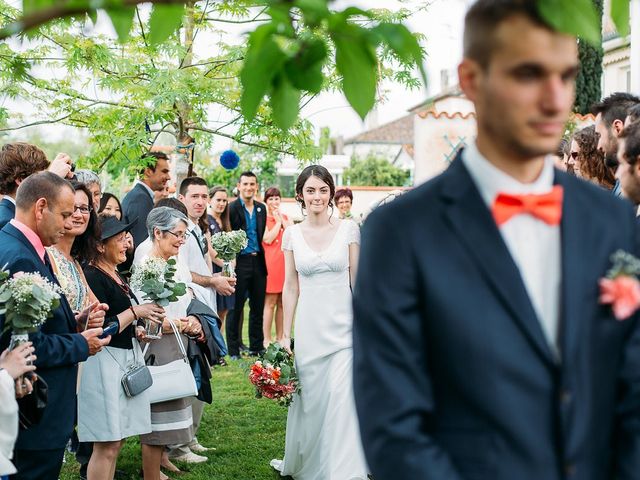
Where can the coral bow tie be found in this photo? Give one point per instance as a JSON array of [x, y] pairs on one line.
[[547, 207]]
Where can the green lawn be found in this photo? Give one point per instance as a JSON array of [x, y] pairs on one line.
[[247, 433]]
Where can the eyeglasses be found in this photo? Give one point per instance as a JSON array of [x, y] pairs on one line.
[[84, 209], [179, 236], [574, 155]]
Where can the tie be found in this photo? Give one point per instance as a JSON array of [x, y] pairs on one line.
[[546, 207], [47, 263]]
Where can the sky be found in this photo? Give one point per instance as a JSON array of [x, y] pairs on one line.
[[442, 26]]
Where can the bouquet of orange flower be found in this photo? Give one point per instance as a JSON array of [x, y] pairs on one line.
[[274, 375]]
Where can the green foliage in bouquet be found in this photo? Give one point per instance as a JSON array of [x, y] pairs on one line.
[[229, 244], [155, 277], [276, 355], [27, 301]]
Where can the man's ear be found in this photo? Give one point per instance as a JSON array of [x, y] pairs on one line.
[[39, 207], [617, 126], [469, 72]]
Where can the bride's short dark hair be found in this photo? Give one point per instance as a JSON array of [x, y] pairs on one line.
[[319, 172]]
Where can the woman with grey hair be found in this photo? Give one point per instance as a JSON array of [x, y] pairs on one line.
[[92, 181], [171, 421]]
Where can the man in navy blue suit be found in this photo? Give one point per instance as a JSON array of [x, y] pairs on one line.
[[481, 349], [44, 205]]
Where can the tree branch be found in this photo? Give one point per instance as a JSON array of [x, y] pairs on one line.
[[43, 122], [243, 142], [40, 17]]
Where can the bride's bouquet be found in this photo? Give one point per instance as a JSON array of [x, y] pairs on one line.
[[228, 245], [27, 301], [274, 375], [155, 278]]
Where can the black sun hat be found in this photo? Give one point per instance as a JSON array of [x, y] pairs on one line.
[[110, 226]]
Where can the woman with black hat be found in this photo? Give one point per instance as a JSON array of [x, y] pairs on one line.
[[106, 416]]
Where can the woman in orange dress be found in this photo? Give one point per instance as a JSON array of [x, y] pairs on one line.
[[272, 244]]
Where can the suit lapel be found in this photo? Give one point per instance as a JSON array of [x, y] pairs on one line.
[[44, 271], [474, 226]]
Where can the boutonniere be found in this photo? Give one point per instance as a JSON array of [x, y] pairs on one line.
[[620, 288], [259, 209]]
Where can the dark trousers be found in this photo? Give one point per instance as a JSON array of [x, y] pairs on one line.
[[250, 279], [37, 464]]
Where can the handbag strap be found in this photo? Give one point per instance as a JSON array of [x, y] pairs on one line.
[[178, 339], [135, 360]]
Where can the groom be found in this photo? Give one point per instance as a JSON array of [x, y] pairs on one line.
[[481, 350]]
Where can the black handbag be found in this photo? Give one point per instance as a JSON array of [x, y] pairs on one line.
[[31, 407]]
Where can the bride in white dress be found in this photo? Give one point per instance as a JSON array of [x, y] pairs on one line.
[[323, 436]]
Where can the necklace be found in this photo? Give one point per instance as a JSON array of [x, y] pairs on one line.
[[117, 279]]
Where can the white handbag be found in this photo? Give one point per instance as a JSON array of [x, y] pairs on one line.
[[173, 380]]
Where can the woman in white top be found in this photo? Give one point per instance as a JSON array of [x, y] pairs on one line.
[[323, 437]]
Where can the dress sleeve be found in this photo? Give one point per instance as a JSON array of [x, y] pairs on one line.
[[353, 232], [287, 243]]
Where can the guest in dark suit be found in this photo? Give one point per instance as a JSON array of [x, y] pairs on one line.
[[44, 206], [137, 204], [251, 269], [481, 349], [17, 161]]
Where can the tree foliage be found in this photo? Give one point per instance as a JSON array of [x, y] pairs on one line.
[[588, 89], [126, 93], [375, 171]]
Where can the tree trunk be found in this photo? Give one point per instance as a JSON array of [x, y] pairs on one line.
[[589, 81]]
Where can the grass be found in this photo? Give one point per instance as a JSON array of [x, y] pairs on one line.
[[246, 432]]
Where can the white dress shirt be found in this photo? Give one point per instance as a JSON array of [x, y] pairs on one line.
[[192, 254], [534, 245]]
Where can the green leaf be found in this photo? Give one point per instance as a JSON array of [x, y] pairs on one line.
[[285, 102], [122, 19], [357, 64], [263, 61], [403, 43], [576, 17], [620, 16], [165, 19], [314, 11], [304, 70]]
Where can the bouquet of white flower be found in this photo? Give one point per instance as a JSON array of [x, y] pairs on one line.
[[155, 278], [27, 301], [229, 245]]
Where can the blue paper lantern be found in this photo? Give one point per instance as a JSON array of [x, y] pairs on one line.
[[229, 159]]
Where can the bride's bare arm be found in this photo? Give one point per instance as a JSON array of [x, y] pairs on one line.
[[290, 294], [354, 253]]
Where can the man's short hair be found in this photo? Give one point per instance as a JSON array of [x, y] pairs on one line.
[[187, 182], [17, 161], [631, 136], [150, 159], [482, 20], [248, 173], [45, 185], [615, 107]]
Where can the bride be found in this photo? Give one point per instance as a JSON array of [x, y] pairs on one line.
[[323, 437]]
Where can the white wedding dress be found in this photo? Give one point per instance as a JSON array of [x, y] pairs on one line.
[[323, 436]]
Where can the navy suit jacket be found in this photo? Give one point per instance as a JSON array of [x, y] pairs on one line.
[[136, 205], [7, 212], [57, 347], [239, 222], [453, 377]]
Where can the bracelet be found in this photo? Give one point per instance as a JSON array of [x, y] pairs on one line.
[[135, 317]]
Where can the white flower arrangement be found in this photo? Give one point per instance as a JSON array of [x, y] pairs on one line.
[[28, 301], [155, 277]]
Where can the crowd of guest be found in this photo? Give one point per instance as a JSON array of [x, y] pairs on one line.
[[90, 250]]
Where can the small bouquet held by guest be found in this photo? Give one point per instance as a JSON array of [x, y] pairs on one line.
[[28, 301], [155, 277], [228, 245], [274, 375]]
